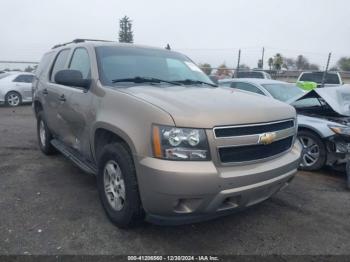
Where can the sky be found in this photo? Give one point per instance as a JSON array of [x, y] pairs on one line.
[[205, 30]]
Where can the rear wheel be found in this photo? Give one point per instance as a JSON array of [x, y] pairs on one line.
[[44, 135], [314, 151], [13, 99], [117, 186]]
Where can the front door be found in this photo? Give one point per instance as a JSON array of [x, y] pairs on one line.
[[77, 111]]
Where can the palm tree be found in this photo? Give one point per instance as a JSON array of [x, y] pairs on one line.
[[270, 62]]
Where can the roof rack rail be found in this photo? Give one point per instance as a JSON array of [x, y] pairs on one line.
[[80, 40]]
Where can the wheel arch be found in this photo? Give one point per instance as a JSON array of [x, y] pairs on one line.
[[37, 107], [13, 91], [311, 129], [104, 134]]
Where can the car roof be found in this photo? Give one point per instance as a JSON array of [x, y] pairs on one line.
[[259, 81], [106, 43], [319, 72], [18, 73]]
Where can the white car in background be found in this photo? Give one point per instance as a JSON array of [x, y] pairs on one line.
[[332, 78], [15, 88]]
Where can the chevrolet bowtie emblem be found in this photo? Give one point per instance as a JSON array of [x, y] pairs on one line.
[[267, 138]]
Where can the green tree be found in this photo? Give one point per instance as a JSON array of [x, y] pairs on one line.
[[302, 63], [126, 34], [278, 61], [289, 63], [270, 62], [206, 68], [344, 63], [313, 67], [244, 67]]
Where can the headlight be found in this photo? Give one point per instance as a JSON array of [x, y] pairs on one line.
[[340, 130], [179, 143]]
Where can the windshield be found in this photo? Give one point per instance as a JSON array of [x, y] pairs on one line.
[[317, 77], [123, 63], [283, 92]]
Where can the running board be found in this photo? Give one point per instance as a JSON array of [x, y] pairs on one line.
[[74, 156]]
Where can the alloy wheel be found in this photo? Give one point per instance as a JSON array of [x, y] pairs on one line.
[[42, 133], [311, 151], [13, 99], [114, 185]]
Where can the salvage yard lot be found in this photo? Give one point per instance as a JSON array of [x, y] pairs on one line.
[[49, 206]]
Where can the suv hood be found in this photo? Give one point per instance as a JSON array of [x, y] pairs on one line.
[[207, 107], [337, 98]]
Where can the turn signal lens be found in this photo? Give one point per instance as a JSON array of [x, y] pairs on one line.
[[157, 148]]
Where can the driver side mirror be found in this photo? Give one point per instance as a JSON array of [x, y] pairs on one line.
[[71, 77]]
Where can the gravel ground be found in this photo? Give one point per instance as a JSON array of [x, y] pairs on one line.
[[48, 206]]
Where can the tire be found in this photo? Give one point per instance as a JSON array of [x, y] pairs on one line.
[[313, 148], [44, 135], [13, 99], [120, 198]]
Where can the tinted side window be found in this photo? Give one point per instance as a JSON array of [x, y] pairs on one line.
[[247, 87], [228, 84], [60, 62], [23, 79], [250, 75], [81, 62]]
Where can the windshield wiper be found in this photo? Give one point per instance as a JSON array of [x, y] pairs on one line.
[[193, 82], [140, 79]]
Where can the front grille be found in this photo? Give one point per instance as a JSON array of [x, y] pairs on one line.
[[254, 152], [252, 129]]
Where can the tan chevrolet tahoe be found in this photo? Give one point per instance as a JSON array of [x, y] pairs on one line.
[[165, 143]]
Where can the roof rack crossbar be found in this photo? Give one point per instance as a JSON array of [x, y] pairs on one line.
[[80, 40]]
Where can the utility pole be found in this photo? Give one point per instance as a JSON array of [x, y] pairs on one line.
[[239, 60], [326, 69], [262, 58]]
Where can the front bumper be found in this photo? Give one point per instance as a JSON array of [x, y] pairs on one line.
[[175, 192], [338, 150]]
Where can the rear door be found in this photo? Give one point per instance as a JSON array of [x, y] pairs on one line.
[[55, 94]]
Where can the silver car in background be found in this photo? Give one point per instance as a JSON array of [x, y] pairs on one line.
[[15, 88], [323, 118]]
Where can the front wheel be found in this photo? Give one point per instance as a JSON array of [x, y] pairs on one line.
[[117, 186], [313, 156]]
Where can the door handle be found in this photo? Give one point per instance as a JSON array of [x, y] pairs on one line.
[[45, 92], [62, 98]]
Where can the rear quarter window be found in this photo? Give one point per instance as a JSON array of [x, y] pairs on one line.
[[44, 64]]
